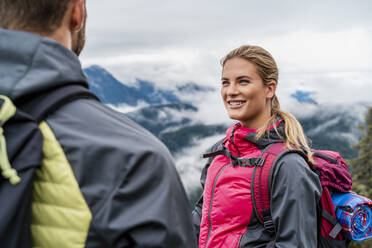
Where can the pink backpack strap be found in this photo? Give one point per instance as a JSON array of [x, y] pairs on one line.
[[261, 182]]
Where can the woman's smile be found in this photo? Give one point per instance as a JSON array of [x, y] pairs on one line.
[[236, 104]]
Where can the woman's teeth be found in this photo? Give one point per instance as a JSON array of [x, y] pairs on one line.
[[236, 103]]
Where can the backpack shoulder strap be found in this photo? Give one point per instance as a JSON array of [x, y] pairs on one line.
[[48, 101], [262, 180], [215, 150], [7, 111]]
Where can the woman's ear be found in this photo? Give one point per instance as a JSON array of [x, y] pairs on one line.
[[77, 15], [270, 89]]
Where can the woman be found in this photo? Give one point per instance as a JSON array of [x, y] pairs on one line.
[[225, 212]]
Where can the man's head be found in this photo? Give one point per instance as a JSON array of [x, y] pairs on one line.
[[63, 20]]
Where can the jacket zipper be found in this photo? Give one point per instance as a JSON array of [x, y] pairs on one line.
[[240, 240], [210, 205]]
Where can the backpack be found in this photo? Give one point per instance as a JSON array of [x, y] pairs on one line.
[[21, 155], [329, 166]]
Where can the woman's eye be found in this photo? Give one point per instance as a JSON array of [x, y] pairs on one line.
[[244, 81], [225, 82]]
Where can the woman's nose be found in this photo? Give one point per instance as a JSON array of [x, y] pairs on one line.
[[232, 89]]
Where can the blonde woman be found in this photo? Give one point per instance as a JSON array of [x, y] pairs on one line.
[[225, 215]]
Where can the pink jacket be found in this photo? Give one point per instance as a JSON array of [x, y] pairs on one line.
[[225, 212], [227, 206]]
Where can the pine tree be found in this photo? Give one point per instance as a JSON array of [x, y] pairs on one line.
[[362, 165], [362, 169]]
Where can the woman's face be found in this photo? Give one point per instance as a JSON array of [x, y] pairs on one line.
[[245, 97]]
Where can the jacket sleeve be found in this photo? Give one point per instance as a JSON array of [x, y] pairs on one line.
[[146, 205], [196, 216], [294, 196], [197, 212], [151, 206]]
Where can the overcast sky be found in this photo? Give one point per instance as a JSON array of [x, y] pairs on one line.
[[320, 46]]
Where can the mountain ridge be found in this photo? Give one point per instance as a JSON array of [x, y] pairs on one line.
[[111, 91], [166, 115], [180, 126]]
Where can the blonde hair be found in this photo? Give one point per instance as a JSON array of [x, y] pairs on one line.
[[268, 70]]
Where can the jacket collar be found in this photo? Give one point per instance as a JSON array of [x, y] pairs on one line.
[[30, 64], [238, 135], [274, 134]]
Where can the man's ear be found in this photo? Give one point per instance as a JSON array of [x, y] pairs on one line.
[[270, 89], [77, 15]]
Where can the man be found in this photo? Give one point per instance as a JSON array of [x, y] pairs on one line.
[[123, 189]]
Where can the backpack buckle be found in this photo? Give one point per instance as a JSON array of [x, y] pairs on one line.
[[335, 230], [268, 221], [246, 162], [260, 162], [269, 226]]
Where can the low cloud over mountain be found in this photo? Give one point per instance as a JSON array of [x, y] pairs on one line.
[[188, 120], [111, 91]]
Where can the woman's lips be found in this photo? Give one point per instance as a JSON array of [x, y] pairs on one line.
[[235, 104]]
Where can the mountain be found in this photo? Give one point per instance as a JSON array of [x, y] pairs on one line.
[[176, 121], [172, 119], [330, 127], [304, 96], [174, 125], [190, 88], [109, 90], [159, 118], [334, 127]]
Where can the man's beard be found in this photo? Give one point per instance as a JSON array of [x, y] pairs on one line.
[[79, 43]]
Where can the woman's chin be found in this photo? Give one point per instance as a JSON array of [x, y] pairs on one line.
[[235, 117]]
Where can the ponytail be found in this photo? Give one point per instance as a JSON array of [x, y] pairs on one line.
[[295, 137]]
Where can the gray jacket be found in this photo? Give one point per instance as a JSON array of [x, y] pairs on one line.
[[125, 174]]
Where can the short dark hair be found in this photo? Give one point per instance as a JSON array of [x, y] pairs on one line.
[[43, 16]]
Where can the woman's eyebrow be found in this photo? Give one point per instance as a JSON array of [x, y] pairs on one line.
[[241, 77], [238, 78]]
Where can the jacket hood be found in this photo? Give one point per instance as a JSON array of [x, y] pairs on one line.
[[238, 135], [30, 64]]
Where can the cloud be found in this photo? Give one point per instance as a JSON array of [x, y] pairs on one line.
[[140, 23], [190, 162], [329, 87], [125, 108], [211, 109], [144, 24], [167, 67], [319, 46]]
